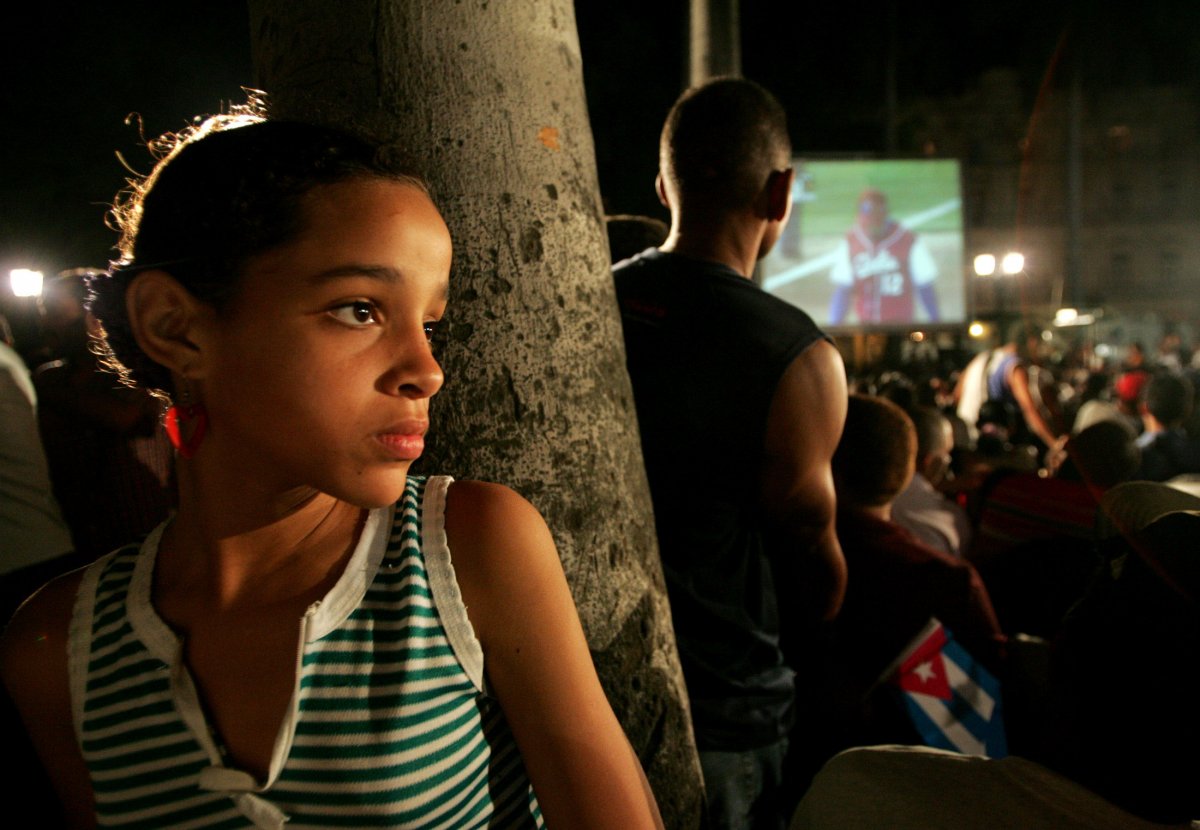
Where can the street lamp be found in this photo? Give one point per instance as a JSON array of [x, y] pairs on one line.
[[1010, 264], [1013, 263]]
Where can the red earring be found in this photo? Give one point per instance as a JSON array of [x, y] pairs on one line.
[[186, 424]]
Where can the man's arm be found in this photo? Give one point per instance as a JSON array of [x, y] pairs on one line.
[[1018, 381], [804, 426]]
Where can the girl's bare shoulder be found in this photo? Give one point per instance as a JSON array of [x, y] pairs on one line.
[[35, 641]]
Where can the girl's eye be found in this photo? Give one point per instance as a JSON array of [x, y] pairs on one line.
[[357, 313], [431, 327]]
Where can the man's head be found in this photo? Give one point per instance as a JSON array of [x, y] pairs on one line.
[[875, 458], [935, 440], [721, 144], [1103, 455], [1168, 397], [872, 212]]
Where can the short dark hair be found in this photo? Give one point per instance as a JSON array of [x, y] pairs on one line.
[[875, 458], [223, 191], [1168, 397], [629, 235], [721, 141], [930, 427], [1105, 454]]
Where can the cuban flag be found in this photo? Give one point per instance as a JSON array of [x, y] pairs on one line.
[[953, 702]]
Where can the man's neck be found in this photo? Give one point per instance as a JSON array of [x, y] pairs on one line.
[[728, 241]]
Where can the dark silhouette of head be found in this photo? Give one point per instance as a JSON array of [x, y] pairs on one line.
[[720, 143], [874, 459]]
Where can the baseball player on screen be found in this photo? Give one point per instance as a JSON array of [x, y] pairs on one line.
[[882, 264]]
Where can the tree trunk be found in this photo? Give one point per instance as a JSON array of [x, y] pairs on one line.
[[488, 99]]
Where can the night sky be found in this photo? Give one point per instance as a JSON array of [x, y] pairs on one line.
[[78, 68]]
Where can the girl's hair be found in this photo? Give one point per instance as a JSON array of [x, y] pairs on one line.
[[224, 190]]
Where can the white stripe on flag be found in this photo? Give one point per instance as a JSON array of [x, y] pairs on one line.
[[968, 689], [955, 732]]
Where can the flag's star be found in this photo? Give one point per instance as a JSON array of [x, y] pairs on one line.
[[925, 671]]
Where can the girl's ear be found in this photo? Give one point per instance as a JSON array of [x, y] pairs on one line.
[[169, 324]]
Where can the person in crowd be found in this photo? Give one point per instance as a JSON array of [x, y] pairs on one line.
[[724, 372], [896, 583], [314, 638], [1171, 353], [1035, 531], [32, 530], [1128, 388], [100, 436], [1167, 450], [629, 235], [920, 507], [1001, 379], [1120, 757]]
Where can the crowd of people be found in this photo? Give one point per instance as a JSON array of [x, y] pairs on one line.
[[812, 524]]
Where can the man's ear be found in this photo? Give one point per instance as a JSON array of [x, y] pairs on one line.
[[168, 323], [779, 194], [660, 187]]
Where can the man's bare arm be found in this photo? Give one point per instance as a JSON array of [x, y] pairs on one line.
[[1019, 383], [804, 426]]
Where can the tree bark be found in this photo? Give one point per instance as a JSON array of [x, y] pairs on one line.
[[488, 100]]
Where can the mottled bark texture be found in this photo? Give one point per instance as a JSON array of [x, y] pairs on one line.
[[487, 98]]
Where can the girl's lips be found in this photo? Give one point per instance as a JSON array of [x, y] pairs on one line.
[[404, 446]]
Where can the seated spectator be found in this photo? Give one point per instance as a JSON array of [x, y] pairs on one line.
[[921, 508], [873, 463], [1129, 387], [1059, 501], [1096, 404], [1035, 536], [895, 585], [1167, 451], [1125, 670], [629, 235]]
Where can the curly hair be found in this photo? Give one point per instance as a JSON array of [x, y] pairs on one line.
[[223, 190]]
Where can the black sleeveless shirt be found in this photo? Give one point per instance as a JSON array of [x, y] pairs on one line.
[[706, 348]]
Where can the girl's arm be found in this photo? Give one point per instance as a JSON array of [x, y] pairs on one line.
[[33, 667], [582, 767]]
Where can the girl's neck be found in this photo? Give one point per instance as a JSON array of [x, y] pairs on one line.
[[237, 548]]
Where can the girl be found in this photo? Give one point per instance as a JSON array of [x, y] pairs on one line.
[[304, 641]]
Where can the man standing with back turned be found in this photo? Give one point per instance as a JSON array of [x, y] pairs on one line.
[[740, 401]]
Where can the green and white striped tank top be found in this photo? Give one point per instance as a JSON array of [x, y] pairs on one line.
[[389, 724]]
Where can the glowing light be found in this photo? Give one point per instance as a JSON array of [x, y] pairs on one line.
[[1013, 263], [975, 329], [917, 336], [1073, 317], [25, 283], [985, 265]]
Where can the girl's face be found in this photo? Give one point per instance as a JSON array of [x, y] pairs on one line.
[[321, 369]]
